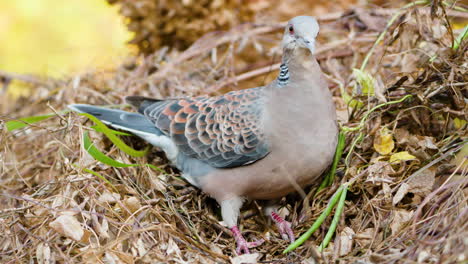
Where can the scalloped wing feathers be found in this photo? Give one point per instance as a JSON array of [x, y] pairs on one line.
[[224, 131]]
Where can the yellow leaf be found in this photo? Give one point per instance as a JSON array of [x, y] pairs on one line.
[[459, 123], [401, 156], [383, 142]]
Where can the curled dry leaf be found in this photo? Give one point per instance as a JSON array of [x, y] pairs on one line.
[[132, 203], [108, 197], [379, 172], [420, 184], [403, 137], [68, 226], [43, 254], [400, 219], [345, 239]]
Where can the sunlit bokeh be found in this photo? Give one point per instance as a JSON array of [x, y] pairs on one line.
[[57, 38]]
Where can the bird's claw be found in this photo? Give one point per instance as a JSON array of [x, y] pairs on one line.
[[242, 245], [286, 231], [284, 227]]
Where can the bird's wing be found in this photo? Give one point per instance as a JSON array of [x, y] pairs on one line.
[[223, 131]]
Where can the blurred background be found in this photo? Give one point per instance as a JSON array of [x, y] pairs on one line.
[[57, 38]]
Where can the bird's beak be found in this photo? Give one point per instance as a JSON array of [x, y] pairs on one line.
[[310, 44]]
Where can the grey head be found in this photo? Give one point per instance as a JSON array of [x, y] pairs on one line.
[[301, 32]]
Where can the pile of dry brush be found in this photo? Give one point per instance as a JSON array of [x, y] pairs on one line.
[[405, 153]]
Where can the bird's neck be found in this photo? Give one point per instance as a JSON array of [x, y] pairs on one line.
[[296, 65], [305, 86]]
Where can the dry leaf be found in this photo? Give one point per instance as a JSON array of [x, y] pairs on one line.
[[461, 157], [365, 237], [172, 248], [126, 258], [379, 172], [68, 226], [372, 21], [140, 247], [400, 218], [216, 249], [310, 260], [346, 241], [108, 197], [383, 142], [132, 203], [111, 258], [245, 259], [409, 63], [43, 254], [425, 257], [91, 255], [419, 184], [403, 137], [101, 228], [402, 191]]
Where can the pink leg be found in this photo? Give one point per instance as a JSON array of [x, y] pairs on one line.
[[284, 227], [242, 245]]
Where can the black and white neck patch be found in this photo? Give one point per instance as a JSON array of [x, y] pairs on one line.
[[283, 77]]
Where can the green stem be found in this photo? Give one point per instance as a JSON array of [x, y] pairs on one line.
[[329, 178], [317, 222], [463, 35], [336, 219]]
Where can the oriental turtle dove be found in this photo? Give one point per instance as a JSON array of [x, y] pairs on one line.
[[258, 143]]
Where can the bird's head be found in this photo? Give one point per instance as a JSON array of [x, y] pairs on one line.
[[301, 32]]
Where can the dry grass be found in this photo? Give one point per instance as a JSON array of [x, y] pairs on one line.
[[403, 212]]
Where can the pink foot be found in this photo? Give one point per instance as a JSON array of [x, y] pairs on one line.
[[284, 227], [242, 245]]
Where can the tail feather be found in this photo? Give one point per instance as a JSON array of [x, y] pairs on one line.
[[132, 122]]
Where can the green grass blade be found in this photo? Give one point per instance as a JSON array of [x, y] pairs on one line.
[[26, 121], [463, 35], [115, 132], [336, 219], [116, 140], [330, 177], [317, 222], [100, 177], [98, 155]]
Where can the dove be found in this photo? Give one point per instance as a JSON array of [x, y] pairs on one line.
[[260, 143]]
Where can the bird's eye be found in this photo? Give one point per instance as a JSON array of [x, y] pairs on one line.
[[291, 29]]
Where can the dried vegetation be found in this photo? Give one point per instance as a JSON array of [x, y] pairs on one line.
[[407, 160]]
